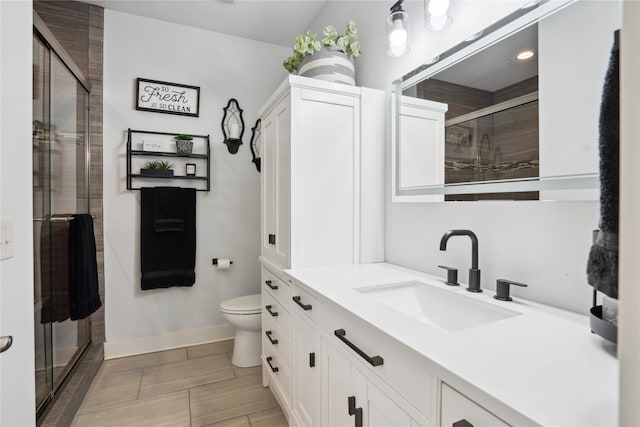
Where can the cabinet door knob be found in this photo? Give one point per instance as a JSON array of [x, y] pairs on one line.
[[372, 360], [301, 304], [351, 405], [273, 313], [273, 368], [312, 360], [462, 423], [5, 343], [268, 334], [268, 283]]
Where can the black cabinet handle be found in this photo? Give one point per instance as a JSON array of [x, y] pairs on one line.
[[272, 239], [268, 334], [462, 423], [268, 283], [351, 403], [312, 360], [273, 368], [273, 313], [304, 306], [373, 360]]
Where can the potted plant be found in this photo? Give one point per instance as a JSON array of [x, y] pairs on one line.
[[157, 168], [330, 58], [184, 144]]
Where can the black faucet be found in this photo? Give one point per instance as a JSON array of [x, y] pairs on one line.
[[474, 271]]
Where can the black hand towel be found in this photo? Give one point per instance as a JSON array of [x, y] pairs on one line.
[[167, 237], [84, 297], [602, 267]]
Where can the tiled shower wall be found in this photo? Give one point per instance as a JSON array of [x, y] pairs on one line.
[[79, 28]]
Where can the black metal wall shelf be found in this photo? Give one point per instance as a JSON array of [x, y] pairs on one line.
[[131, 153]]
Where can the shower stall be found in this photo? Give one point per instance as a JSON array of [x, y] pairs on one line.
[[60, 189]]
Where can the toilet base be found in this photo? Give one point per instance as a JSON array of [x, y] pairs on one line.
[[246, 349]]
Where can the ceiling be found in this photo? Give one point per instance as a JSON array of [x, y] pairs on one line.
[[276, 22]]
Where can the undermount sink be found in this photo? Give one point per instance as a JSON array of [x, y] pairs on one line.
[[437, 307]]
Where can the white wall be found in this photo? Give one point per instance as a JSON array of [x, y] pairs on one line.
[[228, 216], [544, 244], [17, 383]]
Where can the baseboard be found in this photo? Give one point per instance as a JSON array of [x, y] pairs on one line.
[[153, 343]]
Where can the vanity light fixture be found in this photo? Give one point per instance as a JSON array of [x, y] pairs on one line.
[[232, 126], [525, 55], [398, 42], [436, 14]]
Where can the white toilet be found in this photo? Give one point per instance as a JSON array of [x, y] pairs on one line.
[[244, 314]]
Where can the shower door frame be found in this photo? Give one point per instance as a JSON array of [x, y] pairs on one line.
[[44, 34]]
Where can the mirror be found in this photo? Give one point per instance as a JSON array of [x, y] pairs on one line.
[[477, 123]]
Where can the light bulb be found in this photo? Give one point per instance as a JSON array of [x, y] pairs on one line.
[[398, 35], [438, 23]]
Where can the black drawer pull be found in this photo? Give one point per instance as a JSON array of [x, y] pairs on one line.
[[273, 368], [373, 360], [268, 283], [273, 313], [268, 334], [304, 306], [462, 423], [351, 402], [272, 239], [312, 360]]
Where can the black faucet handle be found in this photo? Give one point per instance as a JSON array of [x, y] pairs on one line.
[[503, 287], [452, 275]]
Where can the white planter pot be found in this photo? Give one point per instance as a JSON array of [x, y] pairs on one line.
[[331, 65]]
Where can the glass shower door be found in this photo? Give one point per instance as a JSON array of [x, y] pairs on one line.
[[61, 188]]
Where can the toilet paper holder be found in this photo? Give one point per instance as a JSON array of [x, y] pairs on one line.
[[215, 261]]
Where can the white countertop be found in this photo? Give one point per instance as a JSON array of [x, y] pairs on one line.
[[545, 364]]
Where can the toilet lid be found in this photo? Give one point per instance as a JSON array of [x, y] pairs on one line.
[[247, 304]]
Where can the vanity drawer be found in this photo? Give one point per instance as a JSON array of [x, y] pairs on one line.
[[275, 312], [456, 408], [275, 341], [277, 287], [306, 303], [401, 369], [276, 367]]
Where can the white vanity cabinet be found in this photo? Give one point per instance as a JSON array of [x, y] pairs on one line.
[[322, 174], [457, 410]]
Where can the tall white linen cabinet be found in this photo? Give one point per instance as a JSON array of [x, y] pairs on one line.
[[323, 181]]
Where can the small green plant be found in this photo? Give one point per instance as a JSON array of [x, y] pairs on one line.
[[308, 44], [183, 137], [158, 164]]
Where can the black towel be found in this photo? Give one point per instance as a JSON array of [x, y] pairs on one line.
[[167, 237], [54, 271], [84, 297], [602, 267]]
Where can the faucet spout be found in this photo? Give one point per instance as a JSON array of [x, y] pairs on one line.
[[474, 243], [474, 271]]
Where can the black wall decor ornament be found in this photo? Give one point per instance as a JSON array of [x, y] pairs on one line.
[[232, 126], [256, 143]]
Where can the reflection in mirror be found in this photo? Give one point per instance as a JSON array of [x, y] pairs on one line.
[[519, 110]]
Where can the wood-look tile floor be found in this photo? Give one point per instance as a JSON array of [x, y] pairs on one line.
[[192, 386]]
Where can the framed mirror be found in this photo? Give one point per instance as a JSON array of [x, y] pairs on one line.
[[512, 113]]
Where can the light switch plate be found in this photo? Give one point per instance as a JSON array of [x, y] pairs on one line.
[[6, 238]]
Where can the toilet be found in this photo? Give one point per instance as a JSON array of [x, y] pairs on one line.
[[244, 314]]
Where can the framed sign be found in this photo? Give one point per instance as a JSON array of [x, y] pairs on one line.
[[169, 98]]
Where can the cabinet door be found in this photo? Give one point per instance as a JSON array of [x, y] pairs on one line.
[[307, 373], [343, 381], [384, 412], [276, 186]]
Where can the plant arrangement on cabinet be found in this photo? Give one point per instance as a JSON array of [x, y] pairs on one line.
[[334, 49]]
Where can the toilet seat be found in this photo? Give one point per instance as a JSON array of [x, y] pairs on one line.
[[248, 304]]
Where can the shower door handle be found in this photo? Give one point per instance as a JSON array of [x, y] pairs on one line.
[[5, 343]]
